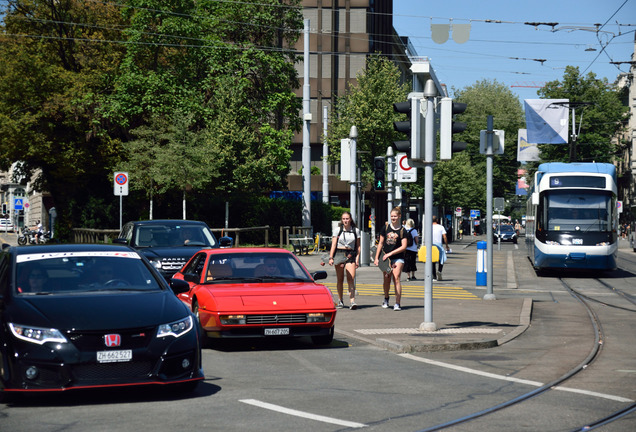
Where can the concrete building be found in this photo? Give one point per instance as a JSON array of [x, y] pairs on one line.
[[343, 33]]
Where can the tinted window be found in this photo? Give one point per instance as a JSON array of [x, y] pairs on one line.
[[74, 272], [158, 235]]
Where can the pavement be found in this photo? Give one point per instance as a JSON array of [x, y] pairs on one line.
[[461, 318]]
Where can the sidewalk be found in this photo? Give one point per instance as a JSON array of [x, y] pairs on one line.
[[464, 323]]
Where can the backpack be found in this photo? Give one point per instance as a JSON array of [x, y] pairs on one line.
[[409, 237]]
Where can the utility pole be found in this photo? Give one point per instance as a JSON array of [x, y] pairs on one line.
[[306, 156], [325, 155], [353, 185]]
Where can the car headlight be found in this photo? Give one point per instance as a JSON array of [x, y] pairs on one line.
[[232, 319], [318, 317], [38, 335], [176, 329]]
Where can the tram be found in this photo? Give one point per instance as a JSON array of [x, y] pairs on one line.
[[572, 217]]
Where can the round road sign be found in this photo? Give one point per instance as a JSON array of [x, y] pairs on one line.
[[121, 179]]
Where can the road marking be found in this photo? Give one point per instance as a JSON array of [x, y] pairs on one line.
[[302, 414], [411, 291], [511, 379]]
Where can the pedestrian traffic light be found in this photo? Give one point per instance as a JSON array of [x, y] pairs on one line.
[[448, 127], [378, 173], [4, 208]]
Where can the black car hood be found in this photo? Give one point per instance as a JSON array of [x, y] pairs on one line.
[[185, 252], [97, 311]]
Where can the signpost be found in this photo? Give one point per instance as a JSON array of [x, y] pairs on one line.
[[120, 188]]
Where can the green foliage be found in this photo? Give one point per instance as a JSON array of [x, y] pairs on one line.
[[462, 180], [369, 106]]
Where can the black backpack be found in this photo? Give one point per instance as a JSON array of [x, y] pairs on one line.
[[409, 237]]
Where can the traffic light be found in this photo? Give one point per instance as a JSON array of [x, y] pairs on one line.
[[378, 173], [4, 208], [448, 127], [411, 128]]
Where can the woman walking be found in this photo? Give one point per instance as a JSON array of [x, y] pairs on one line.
[[345, 255], [391, 247]]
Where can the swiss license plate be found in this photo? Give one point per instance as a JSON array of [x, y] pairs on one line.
[[114, 356], [282, 331]]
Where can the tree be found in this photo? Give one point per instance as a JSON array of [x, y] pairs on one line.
[[456, 184], [598, 122], [54, 69], [369, 106]]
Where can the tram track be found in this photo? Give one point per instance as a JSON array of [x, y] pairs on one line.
[[591, 357]]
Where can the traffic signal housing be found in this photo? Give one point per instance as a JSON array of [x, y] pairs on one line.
[[412, 127], [378, 173], [448, 127]]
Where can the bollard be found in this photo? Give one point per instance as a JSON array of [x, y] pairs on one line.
[[365, 257], [481, 275]]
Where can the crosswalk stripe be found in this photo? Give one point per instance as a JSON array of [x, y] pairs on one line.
[[411, 291]]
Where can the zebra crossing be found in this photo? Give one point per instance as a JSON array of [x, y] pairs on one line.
[[409, 291]]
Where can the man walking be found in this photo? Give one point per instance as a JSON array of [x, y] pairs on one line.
[[439, 240]]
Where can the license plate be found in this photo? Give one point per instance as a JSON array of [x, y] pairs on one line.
[[277, 331], [114, 356]]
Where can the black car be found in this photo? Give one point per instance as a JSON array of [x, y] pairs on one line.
[[85, 316], [505, 233], [168, 244]]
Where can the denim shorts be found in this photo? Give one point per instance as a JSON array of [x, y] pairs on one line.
[[397, 260]]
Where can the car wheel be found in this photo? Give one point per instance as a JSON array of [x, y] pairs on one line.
[[204, 338], [323, 340]]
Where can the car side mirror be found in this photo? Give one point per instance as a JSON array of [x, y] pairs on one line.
[[179, 286], [120, 241], [319, 275]]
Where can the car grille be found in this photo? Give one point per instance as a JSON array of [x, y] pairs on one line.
[[112, 371], [277, 319], [172, 265], [94, 340]]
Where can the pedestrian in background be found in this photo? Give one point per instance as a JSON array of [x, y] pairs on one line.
[[439, 240], [345, 252], [391, 247], [410, 257]]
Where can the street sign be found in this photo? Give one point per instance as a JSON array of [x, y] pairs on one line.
[[499, 204], [474, 214], [121, 183], [18, 204], [458, 211], [405, 172], [497, 141]]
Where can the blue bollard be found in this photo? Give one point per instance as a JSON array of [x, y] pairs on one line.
[[481, 277]]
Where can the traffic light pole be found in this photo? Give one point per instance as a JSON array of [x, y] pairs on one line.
[[489, 164], [429, 162]]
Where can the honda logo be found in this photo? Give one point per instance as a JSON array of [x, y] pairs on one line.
[[112, 340]]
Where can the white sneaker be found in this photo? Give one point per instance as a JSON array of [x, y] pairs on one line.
[[385, 303], [396, 307]]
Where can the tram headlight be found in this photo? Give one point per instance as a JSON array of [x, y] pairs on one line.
[[552, 243], [602, 244]]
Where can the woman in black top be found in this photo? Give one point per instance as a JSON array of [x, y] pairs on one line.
[[391, 246], [345, 246]]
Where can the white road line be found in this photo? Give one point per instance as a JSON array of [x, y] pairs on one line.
[[512, 379], [303, 414]]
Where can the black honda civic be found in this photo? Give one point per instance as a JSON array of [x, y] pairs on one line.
[[86, 316]]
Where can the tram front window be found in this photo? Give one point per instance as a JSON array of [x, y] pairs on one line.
[[578, 211]]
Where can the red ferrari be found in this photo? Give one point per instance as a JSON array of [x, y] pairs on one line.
[[257, 292]]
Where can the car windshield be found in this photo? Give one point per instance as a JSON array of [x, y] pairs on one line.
[[81, 272], [506, 229], [254, 267], [157, 235]]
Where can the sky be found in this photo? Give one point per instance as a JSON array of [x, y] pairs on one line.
[[516, 54]]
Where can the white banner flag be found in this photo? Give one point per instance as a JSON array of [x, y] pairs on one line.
[[547, 121], [526, 151]]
